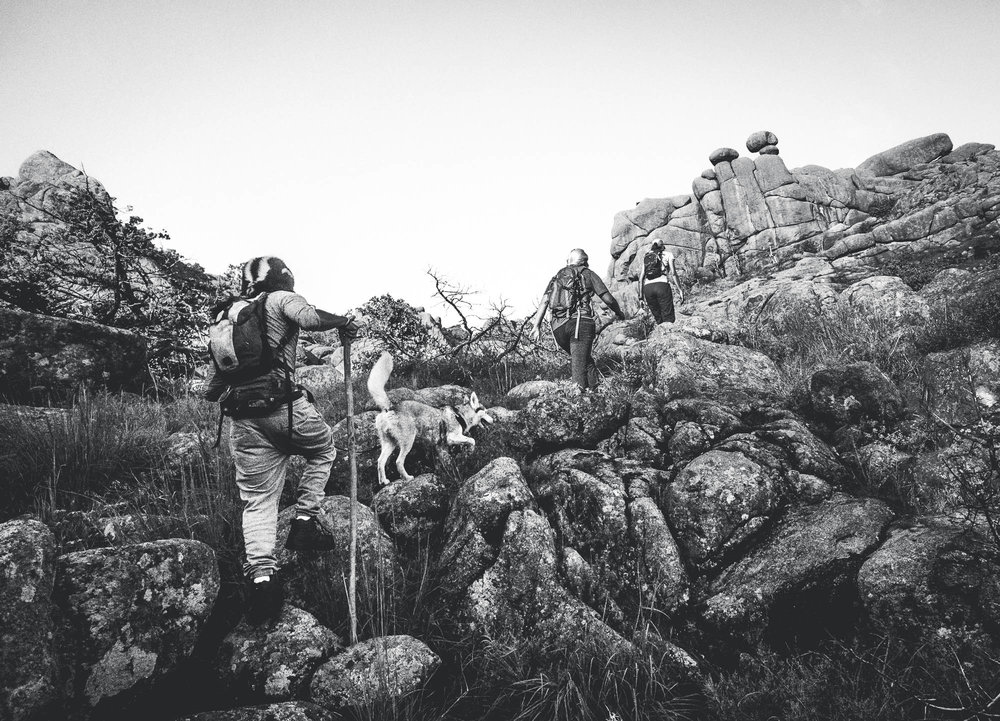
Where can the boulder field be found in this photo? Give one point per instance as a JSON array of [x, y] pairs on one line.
[[685, 522], [701, 510]]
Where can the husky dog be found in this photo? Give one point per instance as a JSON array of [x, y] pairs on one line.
[[400, 424]]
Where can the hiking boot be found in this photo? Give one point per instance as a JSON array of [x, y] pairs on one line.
[[310, 535], [266, 600]]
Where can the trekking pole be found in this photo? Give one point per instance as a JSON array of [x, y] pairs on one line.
[[353, 460]]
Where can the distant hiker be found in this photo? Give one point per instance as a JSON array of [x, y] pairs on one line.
[[654, 282], [573, 323], [253, 346]]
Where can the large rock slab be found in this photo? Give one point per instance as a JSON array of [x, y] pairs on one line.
[[381, 669], [44, 358], [477, 518], [906, 155], [520, 601], [814, 547], [847, 394], [411, 509], [29, 677], [719, 501], [886, 297], [930, 575], [519, 596], [275, 660], [133, 614], [570, 418], [606, 516], [732, 375], [963, 383], [805, 452], [663, 580], [777, 301], [639, 222], [519, 396]]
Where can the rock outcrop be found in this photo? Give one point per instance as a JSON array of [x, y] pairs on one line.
[[44, 358], [29, 674], [748, 215], [67, 254], [411, 509], [276, 661], [382, 669], [816, 548], [853, 392], [132, 613], [933, 576]]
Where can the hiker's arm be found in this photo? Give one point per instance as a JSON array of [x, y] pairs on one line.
[[308, 317], [677, 281], [609, 300], [536, 322]]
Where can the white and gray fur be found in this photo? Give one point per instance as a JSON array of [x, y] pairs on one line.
[[401, 424]]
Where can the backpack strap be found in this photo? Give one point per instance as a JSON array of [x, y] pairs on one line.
[[218, 435], [222, 400]]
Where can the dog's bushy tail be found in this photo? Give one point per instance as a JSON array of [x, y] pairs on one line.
[[377, 380]]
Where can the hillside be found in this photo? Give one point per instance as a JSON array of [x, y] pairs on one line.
[[784, 505]]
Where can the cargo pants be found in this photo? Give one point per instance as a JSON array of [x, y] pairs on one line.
[[261, 448]]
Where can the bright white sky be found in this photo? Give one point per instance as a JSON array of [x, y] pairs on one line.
[[364, 142]]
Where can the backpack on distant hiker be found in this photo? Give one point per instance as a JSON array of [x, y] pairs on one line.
[[653, 264], [569, 293], [243, 360]]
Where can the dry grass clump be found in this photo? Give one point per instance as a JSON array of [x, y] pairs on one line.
[[839, 337], [874, 679]]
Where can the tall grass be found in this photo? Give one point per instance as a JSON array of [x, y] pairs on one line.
[[841, 336], [864, 679]]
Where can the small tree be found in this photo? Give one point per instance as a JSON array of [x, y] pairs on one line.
[[395, 326], [95, 266]]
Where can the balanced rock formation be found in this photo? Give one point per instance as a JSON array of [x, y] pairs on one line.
[[917, 200]]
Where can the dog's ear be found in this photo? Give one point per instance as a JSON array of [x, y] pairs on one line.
[[474, 400]]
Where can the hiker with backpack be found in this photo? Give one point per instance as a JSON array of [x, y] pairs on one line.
[[654, 283], [253, 344], [573, 322]]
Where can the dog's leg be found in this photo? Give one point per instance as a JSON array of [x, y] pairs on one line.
[[458, 439], [405, 444], [383, 459]]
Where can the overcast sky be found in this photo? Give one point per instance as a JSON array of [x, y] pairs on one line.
[[364, 142]]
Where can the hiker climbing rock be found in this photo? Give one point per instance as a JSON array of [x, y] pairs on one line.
[[574, 326], [658, 268], [253, 347]]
